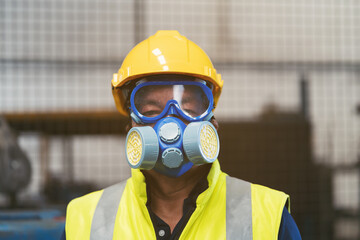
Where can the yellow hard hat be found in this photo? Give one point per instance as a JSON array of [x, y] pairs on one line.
[[166, 52]]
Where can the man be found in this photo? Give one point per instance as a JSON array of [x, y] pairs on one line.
[[169, 88]]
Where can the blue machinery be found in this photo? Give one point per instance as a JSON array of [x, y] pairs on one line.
[[31, 225], [15, 174]]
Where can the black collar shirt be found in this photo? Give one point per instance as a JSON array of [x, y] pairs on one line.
[[162, 229]]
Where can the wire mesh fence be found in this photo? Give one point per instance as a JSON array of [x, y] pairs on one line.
[[280, 60]]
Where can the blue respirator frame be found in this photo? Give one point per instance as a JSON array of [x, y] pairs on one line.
[[172, 106]]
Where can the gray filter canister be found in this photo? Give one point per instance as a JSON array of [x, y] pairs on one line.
[[201, 142]]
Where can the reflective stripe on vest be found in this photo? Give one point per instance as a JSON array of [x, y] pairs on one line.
[[238, 209], [102, 226]]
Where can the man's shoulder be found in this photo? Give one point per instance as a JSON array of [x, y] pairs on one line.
[[267, 190], [86, 201], [264, 192], [257, 191], [92, 198], [254, 187]]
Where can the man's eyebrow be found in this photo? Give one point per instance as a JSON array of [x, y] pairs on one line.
[[152, 102], [187, 99]]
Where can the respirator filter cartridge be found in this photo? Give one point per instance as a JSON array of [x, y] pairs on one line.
[[201, 142], [142, 147]]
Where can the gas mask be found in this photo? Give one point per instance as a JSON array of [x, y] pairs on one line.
[[171, 147]]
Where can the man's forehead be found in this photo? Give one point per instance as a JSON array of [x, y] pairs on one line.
[[155, 90], [170, 90]]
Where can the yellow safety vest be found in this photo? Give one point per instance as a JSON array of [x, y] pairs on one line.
[[228, 209]]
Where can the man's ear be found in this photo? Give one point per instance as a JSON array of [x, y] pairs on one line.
[[128, 127], [215, 123], [129, 124], [134, 124]]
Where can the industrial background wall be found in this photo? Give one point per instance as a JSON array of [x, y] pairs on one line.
[[289, 112]]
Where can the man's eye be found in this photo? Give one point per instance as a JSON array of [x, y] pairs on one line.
[[151, 113], [191, 112]]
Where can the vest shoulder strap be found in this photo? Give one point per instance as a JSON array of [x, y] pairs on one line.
[[102, 226]]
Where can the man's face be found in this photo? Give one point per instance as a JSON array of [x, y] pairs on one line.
[[152, 100]]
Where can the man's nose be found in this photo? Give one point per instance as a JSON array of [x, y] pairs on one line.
[[176, 116]]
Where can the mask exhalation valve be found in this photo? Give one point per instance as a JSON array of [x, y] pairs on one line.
[[172, 157]]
